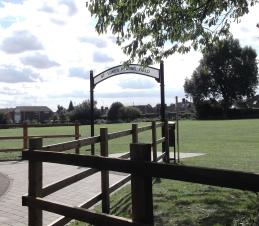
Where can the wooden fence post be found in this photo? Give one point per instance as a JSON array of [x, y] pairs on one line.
[[35, 183], [25, 135], [77, 135], [141, 187], [134, 133], [166, 142], [104, 173], [171, 132], [154, 138]]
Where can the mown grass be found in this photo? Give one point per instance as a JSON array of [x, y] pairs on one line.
[[229, 144]]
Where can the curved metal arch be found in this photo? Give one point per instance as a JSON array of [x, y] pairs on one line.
[[129, 69], [155, 73]]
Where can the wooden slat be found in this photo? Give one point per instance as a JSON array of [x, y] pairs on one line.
[[53, 187], [144, 128], [42, 136], [124, 156], [159, 124], [202, 175], [11, 150], [55, 136], [161, 157], [120, 183], [91, 202], [119, 134], [11, 138], [72, 144], [78, 213], [161, 140]]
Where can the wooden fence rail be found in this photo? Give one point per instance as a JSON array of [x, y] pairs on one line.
[[25, 134], [36, 191], [141, 169]]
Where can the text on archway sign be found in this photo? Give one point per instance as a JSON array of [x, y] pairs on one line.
[[132, 68]]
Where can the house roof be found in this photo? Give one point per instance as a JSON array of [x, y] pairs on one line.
[[6, 110], [32, 108]]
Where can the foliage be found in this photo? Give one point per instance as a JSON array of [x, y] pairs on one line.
[[114, 111], [82, 112], [151, 30], [3, 119], [70, 106], [62, 113], [129, 113], [227, 73]]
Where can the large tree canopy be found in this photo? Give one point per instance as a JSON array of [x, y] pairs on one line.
[[150, 30], [227, 72]]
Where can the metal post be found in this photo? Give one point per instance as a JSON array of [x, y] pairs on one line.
[[162, 89], [92, 108], [177, 129]]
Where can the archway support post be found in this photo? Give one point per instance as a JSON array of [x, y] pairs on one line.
[[92, 109]]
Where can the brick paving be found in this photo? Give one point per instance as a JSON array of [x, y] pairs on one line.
[[12, 213]]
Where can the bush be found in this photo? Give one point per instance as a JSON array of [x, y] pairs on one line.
[[82, 113], [129, 113], [114, 112]]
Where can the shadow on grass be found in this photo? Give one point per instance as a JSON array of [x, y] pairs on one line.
[[195, 205]]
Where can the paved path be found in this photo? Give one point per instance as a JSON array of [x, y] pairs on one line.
[[12, 213]]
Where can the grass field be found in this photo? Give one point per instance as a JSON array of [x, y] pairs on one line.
[[229, 144]]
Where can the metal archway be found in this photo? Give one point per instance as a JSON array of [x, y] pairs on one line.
[[157, 74]]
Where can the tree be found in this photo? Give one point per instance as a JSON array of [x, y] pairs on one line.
[[82, 112], [3, 119], [70, 106], [227, 73], [114, 112], [150, 30], [62, 113], [129, 113]]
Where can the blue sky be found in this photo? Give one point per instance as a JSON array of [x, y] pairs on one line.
[[47, 49]]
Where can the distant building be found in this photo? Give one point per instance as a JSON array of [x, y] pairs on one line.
[[20, 114], [32, 113]]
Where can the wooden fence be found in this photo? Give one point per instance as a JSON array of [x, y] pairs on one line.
[[141, 169], [36, 190], [25, 131]]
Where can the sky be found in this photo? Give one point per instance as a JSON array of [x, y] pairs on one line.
[[47, 49]]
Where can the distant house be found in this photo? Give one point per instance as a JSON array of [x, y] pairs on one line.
[[32, 113], [145, 109]]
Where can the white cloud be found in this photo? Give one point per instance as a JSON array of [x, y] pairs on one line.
[[11, 74], [38, 61], [19, 42], [100, 57], [66, 31]]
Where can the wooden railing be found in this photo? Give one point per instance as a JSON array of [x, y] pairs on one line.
[[141, 169], [37, 191], [25, 134]]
